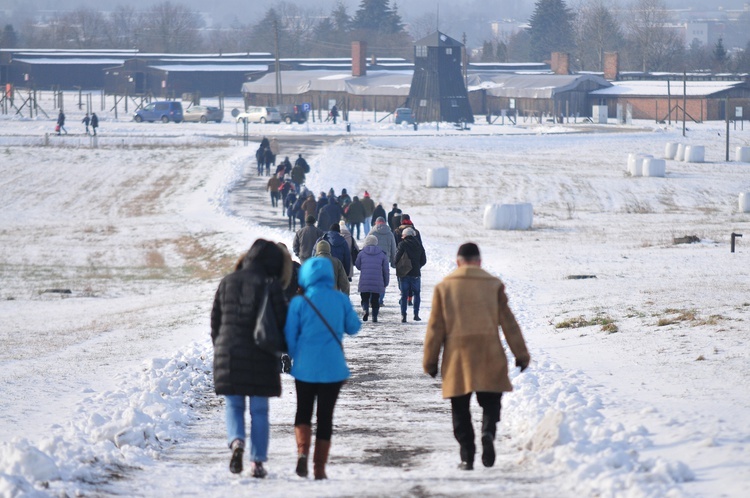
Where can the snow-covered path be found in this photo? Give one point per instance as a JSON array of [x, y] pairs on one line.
[[107, 391]]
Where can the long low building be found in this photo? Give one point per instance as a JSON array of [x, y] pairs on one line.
[[662, 100]]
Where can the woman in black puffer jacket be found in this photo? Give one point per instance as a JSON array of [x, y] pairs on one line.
[[242, 369]]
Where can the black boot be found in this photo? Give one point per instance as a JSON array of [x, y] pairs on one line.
[[403, 317], [375, 315], [238, 448]]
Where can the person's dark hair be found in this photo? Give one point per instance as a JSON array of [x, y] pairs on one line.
[[335, 227], [310, 219], [266, 254], [405, 216], [469, 251]]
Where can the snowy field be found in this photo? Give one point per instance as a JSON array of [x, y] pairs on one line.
[[639, 379]]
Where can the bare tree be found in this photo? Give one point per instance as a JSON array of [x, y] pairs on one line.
[[124, 28], [171, 28], [84, 28], [423, 25], [299, 25], [597, 31], [656, 45]]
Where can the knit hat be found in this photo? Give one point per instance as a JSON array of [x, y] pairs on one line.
[[406, 221], [310, 219], [468, 250], [405, 216], [323, 247], [380, 221], [409, 232], [367, 194], [371, 240]]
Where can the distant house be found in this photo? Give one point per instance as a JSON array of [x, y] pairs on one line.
[[662, 99], [438, 91]]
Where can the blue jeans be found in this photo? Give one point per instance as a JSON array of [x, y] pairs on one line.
[[367, 225], [259, 427], [410, 285]]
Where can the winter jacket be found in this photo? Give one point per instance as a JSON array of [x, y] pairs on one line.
[[274, 146], [310, 206], [240, 367], [316, 355], [304, 241], [351, 243], [329, 215], [94, 121], [386, 242], [379, 211], [467, 307], [289, 202], [298, 175], [340, 249], [355, 213], [369, 206], [415, 251], [273, 184], [374, 272], [297, 210], [322, 202], [391, 214], [323, 250]]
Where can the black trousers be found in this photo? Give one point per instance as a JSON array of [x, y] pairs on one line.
[[327, 394], [462, 426], [370, 299]]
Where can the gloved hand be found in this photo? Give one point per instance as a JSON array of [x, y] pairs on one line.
[[522, 364], [432, 371]]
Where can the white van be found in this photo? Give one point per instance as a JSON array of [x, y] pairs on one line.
[[257, 114]]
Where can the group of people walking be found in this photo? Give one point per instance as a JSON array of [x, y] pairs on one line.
[[310, 303], [468, 307], [88, 121]]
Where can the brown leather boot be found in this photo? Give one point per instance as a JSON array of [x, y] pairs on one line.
[[320, 458], [303, 434]]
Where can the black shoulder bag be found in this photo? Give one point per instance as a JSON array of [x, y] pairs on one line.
[[330, 329], [267, 334]]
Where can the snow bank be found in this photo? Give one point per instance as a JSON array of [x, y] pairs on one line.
[[125, 427]]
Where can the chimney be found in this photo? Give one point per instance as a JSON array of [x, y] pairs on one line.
[[359, 59], [611, 66], [560, 63]]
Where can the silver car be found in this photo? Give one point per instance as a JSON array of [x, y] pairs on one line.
[[203, 113], [256, 114]]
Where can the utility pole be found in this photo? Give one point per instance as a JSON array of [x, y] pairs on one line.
[[684, 100], [276, 56], [465, 61]]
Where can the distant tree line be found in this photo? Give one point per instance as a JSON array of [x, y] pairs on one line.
[[170, 27], [643, 33], [640, 32]]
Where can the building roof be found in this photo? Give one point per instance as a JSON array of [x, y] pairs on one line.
[[71, 61], [660, 88], [438, 39], [532, 86], [218, 68], [299, 82]]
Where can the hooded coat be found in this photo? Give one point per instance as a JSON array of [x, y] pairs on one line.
[[386, 242], [305, 240], [310, 206], [339, 249], [379, 211], [369, 206], [241, 367], [355, 213], [329, 214], [467, 307], [317, 356], [323, 250], [372, 263]]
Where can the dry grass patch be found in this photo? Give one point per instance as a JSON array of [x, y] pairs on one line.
[[606, 323], [689, 316]]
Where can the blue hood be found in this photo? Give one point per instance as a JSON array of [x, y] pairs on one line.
[[316, 272]]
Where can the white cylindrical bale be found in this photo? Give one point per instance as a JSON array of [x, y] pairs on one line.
[[695, 153], [524, 216], [670, 151], [745, 202], [654, 167], [437, 177], [742, 154], [508, 216], [680, 154], [635, 163]]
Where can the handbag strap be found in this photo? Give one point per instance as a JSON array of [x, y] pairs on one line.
[[330, 329]]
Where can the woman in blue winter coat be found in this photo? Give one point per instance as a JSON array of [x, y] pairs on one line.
[[374, 275], [319, 366]]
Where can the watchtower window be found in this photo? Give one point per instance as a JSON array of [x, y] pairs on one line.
[[421, 51]]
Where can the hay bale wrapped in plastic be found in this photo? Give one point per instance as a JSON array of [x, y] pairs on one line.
[[695, 154], [745, 202], [670, 150], [508, 216], [635, 163], [437, 177], [654, 167], [680, 155], [742, 154]]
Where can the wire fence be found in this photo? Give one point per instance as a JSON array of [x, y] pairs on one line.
[[119, 141]]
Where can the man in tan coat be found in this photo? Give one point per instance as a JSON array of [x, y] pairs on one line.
[[467, 307]]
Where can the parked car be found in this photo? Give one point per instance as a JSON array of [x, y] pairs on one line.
[[166, 111], [403, 115], [256, 114], [292, 113], [203, 113]]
